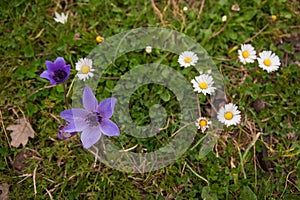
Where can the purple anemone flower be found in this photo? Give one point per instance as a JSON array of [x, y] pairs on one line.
[[57, 72], [93, 120]]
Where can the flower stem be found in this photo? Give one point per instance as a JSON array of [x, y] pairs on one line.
[[65, 96]]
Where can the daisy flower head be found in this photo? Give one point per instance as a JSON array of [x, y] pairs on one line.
[[203, 124], [247, 54], [84, 66], [187, 58], [268, 61], [61, 18], [93, 120], [203, 83], [229, 115]]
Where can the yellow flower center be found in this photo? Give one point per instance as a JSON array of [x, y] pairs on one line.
[[99, 39], [245, 54], [202, 123], [85, 69], [203, 85], [228, 115], [188, 60], [267, 62]]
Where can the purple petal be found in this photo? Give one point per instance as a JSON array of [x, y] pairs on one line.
[[72, 114], [76, 126], [90, 136], [51, 66], [89, 100], [48, 76], [66, 68], [109, 128], [106, 107], [60, 62]]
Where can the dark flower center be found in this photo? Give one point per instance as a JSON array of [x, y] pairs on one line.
[[59, 75], [93, 119]]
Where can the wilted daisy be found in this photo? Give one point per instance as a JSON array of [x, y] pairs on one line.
[[61, 18], [235, 7], [229, 115], [148, 49], [224, 18], [84, 66], [187, 58], [203, 83], [203, 124], [268, 61], [99, 39], [247, 54]]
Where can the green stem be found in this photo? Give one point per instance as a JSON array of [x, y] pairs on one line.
[[197, 174], [65, 96]]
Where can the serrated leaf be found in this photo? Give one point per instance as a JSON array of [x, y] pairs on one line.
[[21, 132]]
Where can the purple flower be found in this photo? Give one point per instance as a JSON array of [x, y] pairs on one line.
[[57, 72], [62, 134], [93, 120]]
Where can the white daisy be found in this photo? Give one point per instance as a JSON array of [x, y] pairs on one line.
[[229, 115], [247, 54], [203, 124], [268, 61], [203, 83], [187, 58], [84, 66], [61, 18]]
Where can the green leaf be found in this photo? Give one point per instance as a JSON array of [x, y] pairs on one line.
[[28, 51], [247, 193], [165, 96], [207, 194]]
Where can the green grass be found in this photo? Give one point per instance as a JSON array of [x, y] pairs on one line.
[[268, 168]]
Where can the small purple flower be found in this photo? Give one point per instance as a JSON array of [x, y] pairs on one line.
[[57, 72], [93, 120]]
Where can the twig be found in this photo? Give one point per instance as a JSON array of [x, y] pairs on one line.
[[181, 128], [3, 127], [221, 29], [49, 193], [258, 33], [164, 128], [129, 149], [201, 8], [34, 182], [160, 16]]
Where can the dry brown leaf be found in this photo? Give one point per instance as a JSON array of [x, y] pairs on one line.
[[21, 131], [4, 188]]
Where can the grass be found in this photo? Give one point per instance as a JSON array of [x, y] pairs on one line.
[[258, 159]]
